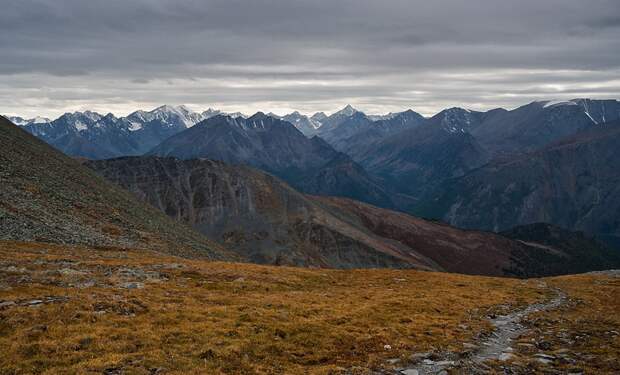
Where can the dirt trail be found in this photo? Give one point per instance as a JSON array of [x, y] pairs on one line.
[[495, 347]]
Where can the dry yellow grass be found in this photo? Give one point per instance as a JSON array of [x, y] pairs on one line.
[[210, 317]]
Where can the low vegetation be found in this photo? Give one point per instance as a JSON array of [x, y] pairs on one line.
[[581, 337], [106, 310]]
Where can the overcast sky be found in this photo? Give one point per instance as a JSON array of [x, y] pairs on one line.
[[307, 55]]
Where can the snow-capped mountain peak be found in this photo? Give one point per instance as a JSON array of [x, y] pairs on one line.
[[39, 120], [346, 111], [20, 121], [456, 119]]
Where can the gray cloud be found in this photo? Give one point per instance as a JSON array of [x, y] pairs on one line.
[[279, 55]]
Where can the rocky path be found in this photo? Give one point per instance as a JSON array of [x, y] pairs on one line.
[[497, 346]]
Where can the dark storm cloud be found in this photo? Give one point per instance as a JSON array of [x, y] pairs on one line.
[[284, 54]]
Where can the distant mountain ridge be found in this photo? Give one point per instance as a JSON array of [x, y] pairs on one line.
[[275, 146], [95, 136], [573, 183]]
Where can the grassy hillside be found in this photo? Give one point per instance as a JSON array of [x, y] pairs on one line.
[[92, 310]]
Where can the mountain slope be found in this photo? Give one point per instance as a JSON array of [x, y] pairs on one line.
[[574, 183], [267, 221], [357, 132], [537, 124], [416, 160], [277, 147], [47, 196]]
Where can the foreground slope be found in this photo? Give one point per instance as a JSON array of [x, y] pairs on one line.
[[264, 219], [91, 310], [47, 196]]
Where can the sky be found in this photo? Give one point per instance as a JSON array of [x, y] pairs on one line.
[[308, 55]]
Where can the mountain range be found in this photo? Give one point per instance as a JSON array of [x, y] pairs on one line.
[[227, 211], [273, 145], [435, 167], [94, 136]]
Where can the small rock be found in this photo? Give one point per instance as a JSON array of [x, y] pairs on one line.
[[428, 362], [544, 358], [71, 272], [5, 304], [113, 371], [544, 345], [33, 302], [85, 284], [505, 356], [393, 361], [410, 372], [239, 280], [445, 363], [418, 356], [387, 347], [14, 269], [468, 345], [132, 285]]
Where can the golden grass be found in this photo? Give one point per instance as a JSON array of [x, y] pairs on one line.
[[212, 317]]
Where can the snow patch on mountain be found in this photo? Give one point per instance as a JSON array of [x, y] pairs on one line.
[[556, 103]]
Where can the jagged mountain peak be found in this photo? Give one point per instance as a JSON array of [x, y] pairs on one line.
[[348, 110], [319, 116]]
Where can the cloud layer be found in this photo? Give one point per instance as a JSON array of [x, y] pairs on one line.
[[280, 55]]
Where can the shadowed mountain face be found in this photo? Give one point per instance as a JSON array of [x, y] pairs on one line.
[[537, 124], [265, 220], [47, 196], [574, 183], [277, 147], [357, 132], [585, 252], [416, 160]]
